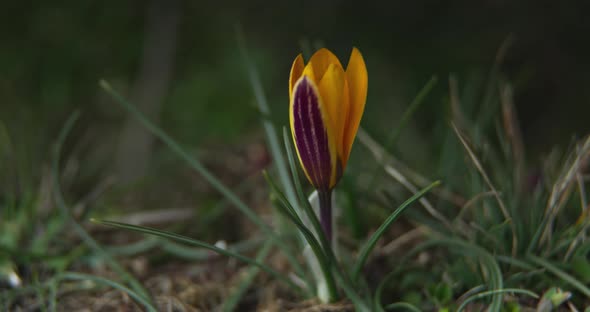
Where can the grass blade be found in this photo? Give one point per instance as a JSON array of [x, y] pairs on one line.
[[416, 102], [194, 242], [392, 139], [269, 128], [311, 216], [402, 305], [97, 279], [494, 274], [190, 253], [561, 274], [359, 305], [370, 244], [494, 292], [287, 210]]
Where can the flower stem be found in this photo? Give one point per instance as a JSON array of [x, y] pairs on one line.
[[325, 198]]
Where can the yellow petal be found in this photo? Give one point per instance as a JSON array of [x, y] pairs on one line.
[[321, 60], [296, 72], [356, 75], [308, 71], [335, 100]]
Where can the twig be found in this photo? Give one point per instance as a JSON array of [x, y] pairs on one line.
[[385, 158], [403, 239], [379, 155]]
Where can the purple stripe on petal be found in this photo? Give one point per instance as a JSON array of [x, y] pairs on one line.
[[311, 137], [302, 128]]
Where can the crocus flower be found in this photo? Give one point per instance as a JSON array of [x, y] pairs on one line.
[[326, 106]]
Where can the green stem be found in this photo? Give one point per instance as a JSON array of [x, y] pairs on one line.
[[325, 198]]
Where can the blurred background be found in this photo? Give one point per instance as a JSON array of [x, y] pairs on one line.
[[180, 62]]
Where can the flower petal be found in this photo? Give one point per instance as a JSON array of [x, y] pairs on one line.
[[334, 92], [309, 72], [312, 134], [356, 75], [296, 72], [320, 62]]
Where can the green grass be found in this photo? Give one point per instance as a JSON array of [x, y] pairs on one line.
[[528, 226], [46, 252]]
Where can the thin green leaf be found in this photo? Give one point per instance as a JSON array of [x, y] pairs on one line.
[[494, 292], [358, 302], [416, 102], [97, 279], [269, 128], [402, 305], [53, 296], [494, 274], [287, 210], [517, 263], [561, 274], [40, 293], [370, 244], [194, 242], [134, 248], [414, 105], [191, 253], [315, 222], [272, 137]]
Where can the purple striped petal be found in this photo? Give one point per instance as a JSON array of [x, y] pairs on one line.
[[310, 134]]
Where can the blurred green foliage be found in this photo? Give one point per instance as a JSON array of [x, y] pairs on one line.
[[53, 54]]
